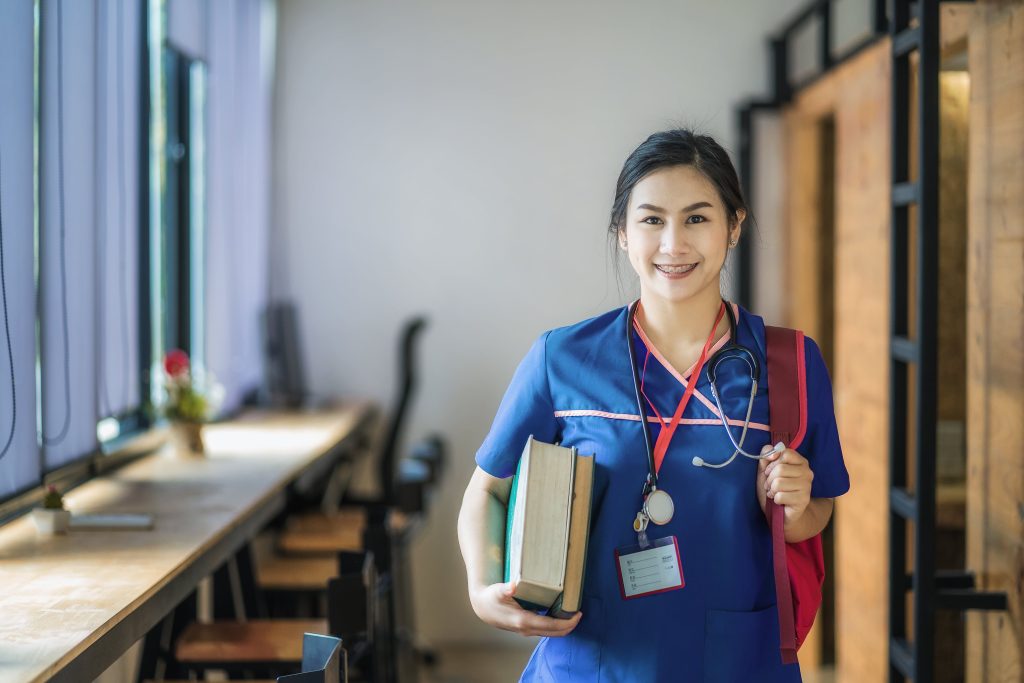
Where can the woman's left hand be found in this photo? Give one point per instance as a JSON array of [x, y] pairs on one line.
[[785, 477]]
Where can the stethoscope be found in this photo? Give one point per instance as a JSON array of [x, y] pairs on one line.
[[658, 506]]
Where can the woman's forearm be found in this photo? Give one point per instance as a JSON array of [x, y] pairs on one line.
[[482, 537], [812, 522]]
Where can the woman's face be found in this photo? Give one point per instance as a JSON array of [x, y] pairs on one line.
[[677, 233]]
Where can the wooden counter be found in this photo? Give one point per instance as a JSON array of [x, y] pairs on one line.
[[70, 605]]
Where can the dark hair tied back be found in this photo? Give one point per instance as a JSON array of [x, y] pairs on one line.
[[678, 147]]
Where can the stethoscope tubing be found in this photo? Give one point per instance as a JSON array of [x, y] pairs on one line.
[[652, 476], [732, 350]]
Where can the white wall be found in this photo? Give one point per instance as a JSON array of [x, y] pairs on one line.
[[459, 159]]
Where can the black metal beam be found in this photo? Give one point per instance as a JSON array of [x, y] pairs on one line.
[[906, 193], [901, 657], [903, 504], [906, 41], [901, 507], [825, 36], [905, 350], [967, 599], [780, 70], [927, 323], [806, 14]]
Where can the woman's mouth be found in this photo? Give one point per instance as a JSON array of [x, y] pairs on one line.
[[675, 271]]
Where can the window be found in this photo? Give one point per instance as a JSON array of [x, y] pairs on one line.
[[177, 196]]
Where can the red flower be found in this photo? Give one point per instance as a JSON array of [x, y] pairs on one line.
[[176, 363]]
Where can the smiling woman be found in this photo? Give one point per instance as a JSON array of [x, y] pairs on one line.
[[678, 210]]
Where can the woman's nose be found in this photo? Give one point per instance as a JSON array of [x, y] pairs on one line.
[[673, 240]]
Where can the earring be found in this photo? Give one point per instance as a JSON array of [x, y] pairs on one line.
[[732, 243]]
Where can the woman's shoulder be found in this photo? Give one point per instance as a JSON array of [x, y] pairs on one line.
[[752, 326], [597, 329]]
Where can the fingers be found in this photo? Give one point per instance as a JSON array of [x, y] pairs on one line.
[[797, 500], [508, 614], [784, 471], [548, 627], [787, 486]]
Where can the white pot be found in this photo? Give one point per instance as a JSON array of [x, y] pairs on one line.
[[49, 522]]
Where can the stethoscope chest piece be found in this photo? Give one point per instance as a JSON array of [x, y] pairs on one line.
[[658, 507]]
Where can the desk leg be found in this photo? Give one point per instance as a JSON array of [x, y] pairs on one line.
[[157, 661], [235, 593]]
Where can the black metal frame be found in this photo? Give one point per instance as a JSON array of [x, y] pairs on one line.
[[930, 588], [783, 90], [941, 589]]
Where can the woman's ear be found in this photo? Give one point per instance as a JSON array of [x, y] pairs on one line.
[[623, 244], [737, 228]]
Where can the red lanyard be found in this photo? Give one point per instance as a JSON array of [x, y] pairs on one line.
[[669, 430]]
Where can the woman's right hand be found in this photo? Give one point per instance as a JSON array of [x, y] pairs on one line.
[[495, 605]]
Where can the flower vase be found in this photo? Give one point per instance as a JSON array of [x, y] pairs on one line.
[[50, 522], [188, 437]]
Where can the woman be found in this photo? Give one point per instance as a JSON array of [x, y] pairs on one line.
[[678, 210]]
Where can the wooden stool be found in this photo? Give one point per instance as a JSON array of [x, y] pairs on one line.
[[264, 645], [245, 644], [318, 533], [324, 660]]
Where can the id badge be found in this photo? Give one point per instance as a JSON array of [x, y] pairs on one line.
[[656, 569]]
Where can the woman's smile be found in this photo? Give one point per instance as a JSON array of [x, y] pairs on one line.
[[675, 272]]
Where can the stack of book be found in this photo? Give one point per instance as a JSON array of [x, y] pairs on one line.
[[548, 527]]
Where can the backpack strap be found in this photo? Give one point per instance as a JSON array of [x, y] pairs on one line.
[[787, 401]]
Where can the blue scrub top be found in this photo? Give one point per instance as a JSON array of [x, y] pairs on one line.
[[575, 387]]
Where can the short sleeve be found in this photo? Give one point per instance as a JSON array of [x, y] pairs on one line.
[[821, 443], [525, 409]]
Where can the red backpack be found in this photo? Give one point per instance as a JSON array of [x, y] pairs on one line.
[[799, 567]]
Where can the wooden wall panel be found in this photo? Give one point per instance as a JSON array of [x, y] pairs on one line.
[[995, 310], [857, 96]]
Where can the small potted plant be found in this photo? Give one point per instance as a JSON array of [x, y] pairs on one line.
[[189, 401], [52, 518]]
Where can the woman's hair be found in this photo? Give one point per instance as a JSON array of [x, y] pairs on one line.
[[678, 147]]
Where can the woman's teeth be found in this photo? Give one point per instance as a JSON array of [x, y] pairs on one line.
[[676, 270]]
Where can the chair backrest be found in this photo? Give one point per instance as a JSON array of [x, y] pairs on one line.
[[322, 659], [284, 379], [348, 606], [400, 409]]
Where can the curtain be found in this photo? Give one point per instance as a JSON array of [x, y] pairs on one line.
[[20, 467], [68, 231], [238, 218], [118, 61]]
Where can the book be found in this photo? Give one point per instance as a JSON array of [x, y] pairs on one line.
[[120, 520], [547, 528], [579, 534]]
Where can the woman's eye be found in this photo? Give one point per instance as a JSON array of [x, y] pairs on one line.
[[651, 220], [702, 219]]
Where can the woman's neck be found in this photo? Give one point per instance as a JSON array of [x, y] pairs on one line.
[[682, 324]]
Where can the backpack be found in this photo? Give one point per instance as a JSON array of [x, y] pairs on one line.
[[799, 567]]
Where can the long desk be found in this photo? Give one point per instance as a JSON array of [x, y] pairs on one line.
[[71, 605]]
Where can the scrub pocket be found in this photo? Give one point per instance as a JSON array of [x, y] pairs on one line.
[[744, 646], [585, 643]]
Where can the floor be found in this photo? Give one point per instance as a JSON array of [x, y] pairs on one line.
[[490, 664]]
